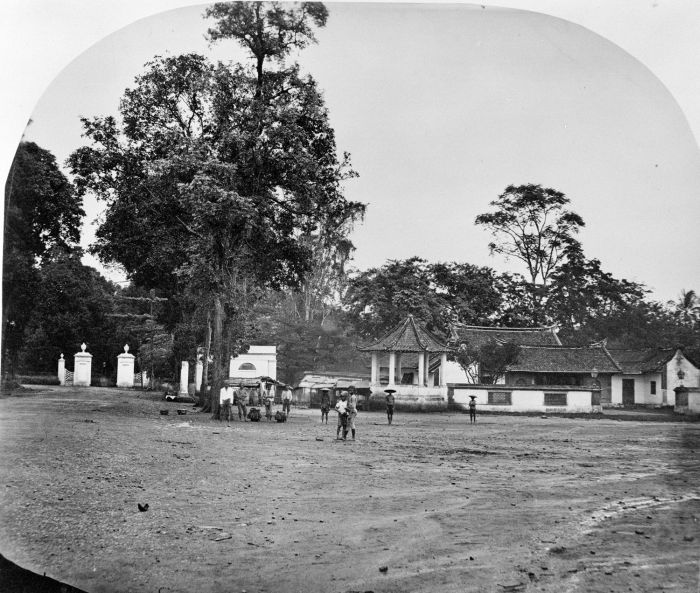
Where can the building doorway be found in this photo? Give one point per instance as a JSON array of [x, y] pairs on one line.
[[628, 392]]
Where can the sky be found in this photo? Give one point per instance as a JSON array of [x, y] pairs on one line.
[[441, 107]]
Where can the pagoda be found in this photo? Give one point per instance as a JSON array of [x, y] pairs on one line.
[[409, 346]]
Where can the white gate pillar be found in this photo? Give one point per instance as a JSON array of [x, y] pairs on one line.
[[184, 376], [125, 368], [198, 372], [392, 368], [374, 379], [82, 370], [62, 370]]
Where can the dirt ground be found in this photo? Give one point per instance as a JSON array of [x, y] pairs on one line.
[[428, 504]]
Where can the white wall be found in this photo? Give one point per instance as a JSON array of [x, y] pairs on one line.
[[690, 379], [454, 373], [263, 358], [642, 389], [694, 402], [530, 400]]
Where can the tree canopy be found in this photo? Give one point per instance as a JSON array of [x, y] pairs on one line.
[[42, 210], [437, 294], [215, 173], [43, 215], [530, 224]]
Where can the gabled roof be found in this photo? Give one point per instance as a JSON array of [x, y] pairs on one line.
[[645, 360], [408, 336], [564, 359], [477, 335]]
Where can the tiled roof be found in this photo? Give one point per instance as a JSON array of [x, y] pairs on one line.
[[477, 336], [564, 359], [408, 336], [640, 361]]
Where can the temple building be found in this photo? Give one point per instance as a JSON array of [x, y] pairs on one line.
[[411, 352]]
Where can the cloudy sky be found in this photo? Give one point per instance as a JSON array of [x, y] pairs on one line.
[[441, 106]]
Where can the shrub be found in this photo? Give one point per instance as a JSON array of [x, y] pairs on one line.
[[39, 379]]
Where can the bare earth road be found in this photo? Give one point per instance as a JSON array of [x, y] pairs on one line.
[[428, 504]]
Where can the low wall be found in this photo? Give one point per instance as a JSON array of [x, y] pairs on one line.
[[687, 400], [535, 398]]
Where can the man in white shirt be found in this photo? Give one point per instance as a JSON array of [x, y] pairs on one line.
[[287, 400], [225, 399], [342, 408]]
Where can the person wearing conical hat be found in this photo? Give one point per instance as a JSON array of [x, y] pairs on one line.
[[472, 409], [390, 404], [325, 403]]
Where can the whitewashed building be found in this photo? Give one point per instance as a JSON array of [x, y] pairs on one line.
[[259, 361], [649, 376]]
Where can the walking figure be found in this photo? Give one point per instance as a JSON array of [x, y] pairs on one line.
[[390, 404], [472, 409], [325, 404]]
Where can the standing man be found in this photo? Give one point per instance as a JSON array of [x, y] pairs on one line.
[[390, 404], [287, 400], [352, 411], [472, 409], [243, 404], [325, 403], [225, 398], [342, 408], [267, 402]]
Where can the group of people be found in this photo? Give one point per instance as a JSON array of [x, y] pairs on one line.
[[347, 412], [242, 397], [346, 407]]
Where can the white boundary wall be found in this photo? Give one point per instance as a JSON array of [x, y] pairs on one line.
[[525, 400]]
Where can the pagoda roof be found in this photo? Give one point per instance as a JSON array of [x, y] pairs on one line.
[[408, 336]]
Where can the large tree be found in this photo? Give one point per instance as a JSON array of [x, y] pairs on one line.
[[583, 299], [211, 178], [438, 294], [531, 224], [73, 305], [42, 216], [269, 30]]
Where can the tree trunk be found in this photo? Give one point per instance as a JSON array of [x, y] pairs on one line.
[[217, 375], [205, 364]]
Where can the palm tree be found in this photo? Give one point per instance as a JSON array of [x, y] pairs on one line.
[[687, 308]]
